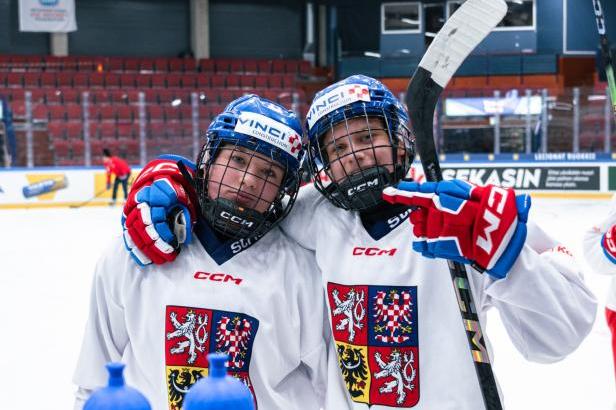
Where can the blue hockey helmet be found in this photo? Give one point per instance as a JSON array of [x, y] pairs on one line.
[[358, 96], [254, 124]]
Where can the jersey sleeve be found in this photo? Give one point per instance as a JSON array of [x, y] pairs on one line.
[[105, 334], [543, 302], [301, 225], [593, 251], [314, 328]]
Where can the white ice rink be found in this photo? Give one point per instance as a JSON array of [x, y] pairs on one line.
[[46, 262]]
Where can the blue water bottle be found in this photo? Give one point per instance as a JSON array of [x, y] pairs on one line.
[[218, 391], [117, 395]]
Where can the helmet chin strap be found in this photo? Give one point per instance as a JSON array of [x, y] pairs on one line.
[[231, 220], [362, 191]]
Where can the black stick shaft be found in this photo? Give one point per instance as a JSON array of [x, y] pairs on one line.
[[421, 98]]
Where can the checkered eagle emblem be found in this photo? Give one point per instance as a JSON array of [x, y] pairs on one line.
[[393, 315], [375, 329], [193, 332], [232, 337]]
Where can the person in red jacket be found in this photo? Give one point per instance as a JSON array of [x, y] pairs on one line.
[[118, 167]]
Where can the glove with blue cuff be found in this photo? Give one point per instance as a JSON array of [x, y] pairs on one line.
[[160, 211], [484, 226]]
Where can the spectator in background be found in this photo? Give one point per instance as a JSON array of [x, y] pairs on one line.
[[118, 167]]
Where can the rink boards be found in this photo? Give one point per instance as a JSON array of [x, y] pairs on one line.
[[560, 176]]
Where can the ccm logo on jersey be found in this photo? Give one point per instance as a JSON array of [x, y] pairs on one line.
[[496, 204], [359, 250], [217, 277]]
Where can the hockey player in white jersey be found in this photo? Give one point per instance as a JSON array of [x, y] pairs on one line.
[[240, 287], [393, 312], [600, 253]]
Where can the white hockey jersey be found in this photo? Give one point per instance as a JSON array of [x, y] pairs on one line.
[[263, 306], [595, 256], [394, 314]]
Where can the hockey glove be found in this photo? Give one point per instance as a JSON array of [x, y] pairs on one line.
[[455, 220], [160, 211], [608, 243]]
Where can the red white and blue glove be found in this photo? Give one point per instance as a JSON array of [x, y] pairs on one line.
[[608, 243], [456, 220], [160, 211]]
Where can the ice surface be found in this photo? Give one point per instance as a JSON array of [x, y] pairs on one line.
[[47, 258]]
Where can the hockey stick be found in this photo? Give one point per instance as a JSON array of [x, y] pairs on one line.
[[606, 53], [462, 32], [87, 201]]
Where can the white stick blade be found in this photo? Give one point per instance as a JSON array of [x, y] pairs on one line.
[[462, 32]]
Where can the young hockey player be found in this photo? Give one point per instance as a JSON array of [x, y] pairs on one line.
[[393, 312], [241, 288], [600, 253]]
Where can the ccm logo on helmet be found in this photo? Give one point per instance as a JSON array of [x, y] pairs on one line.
[[217, 277], [236, 219], [362, 187], [359, 250]]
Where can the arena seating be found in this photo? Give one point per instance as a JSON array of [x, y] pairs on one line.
[[57, 86]]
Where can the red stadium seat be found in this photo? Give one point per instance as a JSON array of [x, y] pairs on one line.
[[151, 96], [112, 80], [233, 80], [99, 96], [190, 65], [74, 129], [64, 79], [176, 64], [291, 66], [73, 111], [207, 65], [166, 96], [158, 80], [125, 113], [15, 79], [261, 81], [38, 95], [81, 79], [172, 113], [218, 80], [19, 108], [97, 80], [107, 131], [146, 64], [305, 68], [48, 79], [56, 130], [288, 81], [127, 130], [131, 64], [40, 113], [278, 66], [173, 129], [115, 64], [236, 66], [250, 66], [128, 80], [60, 148], [247, 81], [155, 113], [143, 80], [223, 65], [264, 66], [275, 81], [107, 112], [203, 80], [77, 146], [31, 79], [161, 64], [71, 95], [189, 80], [94, 112], [57, 112], [174, 80]]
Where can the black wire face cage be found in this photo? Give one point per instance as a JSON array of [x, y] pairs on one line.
[[242, 192], [358, 156]]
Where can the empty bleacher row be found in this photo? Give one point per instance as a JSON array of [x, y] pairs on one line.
[[9, 79], [58, 88], [128, 64]]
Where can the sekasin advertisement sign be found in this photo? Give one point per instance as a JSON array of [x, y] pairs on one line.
[[558, 178]]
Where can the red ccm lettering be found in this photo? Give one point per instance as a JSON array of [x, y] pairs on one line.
[[217, 277], [359, 250]]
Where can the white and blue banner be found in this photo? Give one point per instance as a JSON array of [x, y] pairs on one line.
[[52, 16]]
